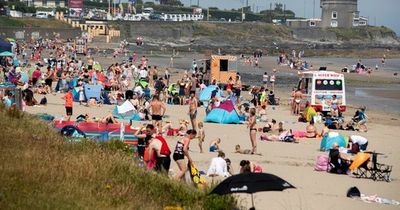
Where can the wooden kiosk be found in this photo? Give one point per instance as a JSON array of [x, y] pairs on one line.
[[223, 67]]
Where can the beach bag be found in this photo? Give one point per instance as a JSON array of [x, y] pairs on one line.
[[322, 163], [164, 146]]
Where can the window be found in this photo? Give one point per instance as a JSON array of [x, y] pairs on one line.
[[334, 15], [312, 23], [328, 84], [223, 65], [334, 24]]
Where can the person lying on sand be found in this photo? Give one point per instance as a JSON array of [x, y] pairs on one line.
[[249, 167], [243, 151], [183, 127], [109, 119]]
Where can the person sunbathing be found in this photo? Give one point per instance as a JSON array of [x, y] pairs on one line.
[[311, 130], [109, 119], [183, 127], [249, 167]]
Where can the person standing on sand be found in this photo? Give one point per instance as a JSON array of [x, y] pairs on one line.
[[68, 103], [159, 149], [265, 79], [193, 103], [157, 109], [182, 150], [298, 96], [272, 79], [251, 124]]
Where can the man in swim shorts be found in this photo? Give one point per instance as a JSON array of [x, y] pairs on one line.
[[157, 109]]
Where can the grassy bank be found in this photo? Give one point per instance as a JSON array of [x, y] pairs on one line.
[[41, 170], [32, 22]]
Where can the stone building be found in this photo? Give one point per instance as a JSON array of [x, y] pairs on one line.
[[339, 13], [335, 13]]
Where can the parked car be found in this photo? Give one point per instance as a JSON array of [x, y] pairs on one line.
[[42, 15]]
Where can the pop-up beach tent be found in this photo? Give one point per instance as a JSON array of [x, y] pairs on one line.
[[329, 139], [224, 113], [205, 94]]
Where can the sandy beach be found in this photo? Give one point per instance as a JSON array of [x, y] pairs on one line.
[[293, 162]]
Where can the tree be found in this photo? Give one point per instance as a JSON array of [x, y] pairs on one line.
[[171, 2], [278, 7]]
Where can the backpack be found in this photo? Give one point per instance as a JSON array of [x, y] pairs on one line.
[[164, 146], [322, 163]]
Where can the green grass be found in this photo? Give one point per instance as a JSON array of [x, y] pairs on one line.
[[41, 170], [10, 22], [361, 33], [32, 22]]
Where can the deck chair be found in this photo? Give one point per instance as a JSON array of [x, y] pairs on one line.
[[380, 172]]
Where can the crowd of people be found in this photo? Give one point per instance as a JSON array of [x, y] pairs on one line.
[[54, 68]]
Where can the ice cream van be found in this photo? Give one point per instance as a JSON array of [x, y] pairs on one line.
[[323, 89]]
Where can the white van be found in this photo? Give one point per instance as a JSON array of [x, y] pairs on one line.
[[319, 87]]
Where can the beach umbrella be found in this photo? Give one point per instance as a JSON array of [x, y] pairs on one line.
[[6, 54], [329, 139], [251, 183]]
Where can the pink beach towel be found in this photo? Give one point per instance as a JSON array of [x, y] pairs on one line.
[[299, 134]]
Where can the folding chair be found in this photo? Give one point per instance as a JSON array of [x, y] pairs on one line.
[[380, 172]]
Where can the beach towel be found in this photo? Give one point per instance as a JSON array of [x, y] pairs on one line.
[[197, 179]]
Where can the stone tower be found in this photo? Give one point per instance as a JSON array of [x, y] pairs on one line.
[[338, 13]]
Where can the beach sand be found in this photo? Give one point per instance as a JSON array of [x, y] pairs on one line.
[[293, 162]]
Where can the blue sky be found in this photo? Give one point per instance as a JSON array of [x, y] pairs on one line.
[[380, 12]]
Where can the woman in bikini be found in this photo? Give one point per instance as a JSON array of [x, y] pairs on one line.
[[251, 124], [182, 150]]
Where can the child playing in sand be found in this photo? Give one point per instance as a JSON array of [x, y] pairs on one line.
[[201, 136], [244, 151], [214, 146], [183, 127]]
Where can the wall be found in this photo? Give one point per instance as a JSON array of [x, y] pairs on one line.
[[168, 31], [28, 33], [344, 9], [316, 34]]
